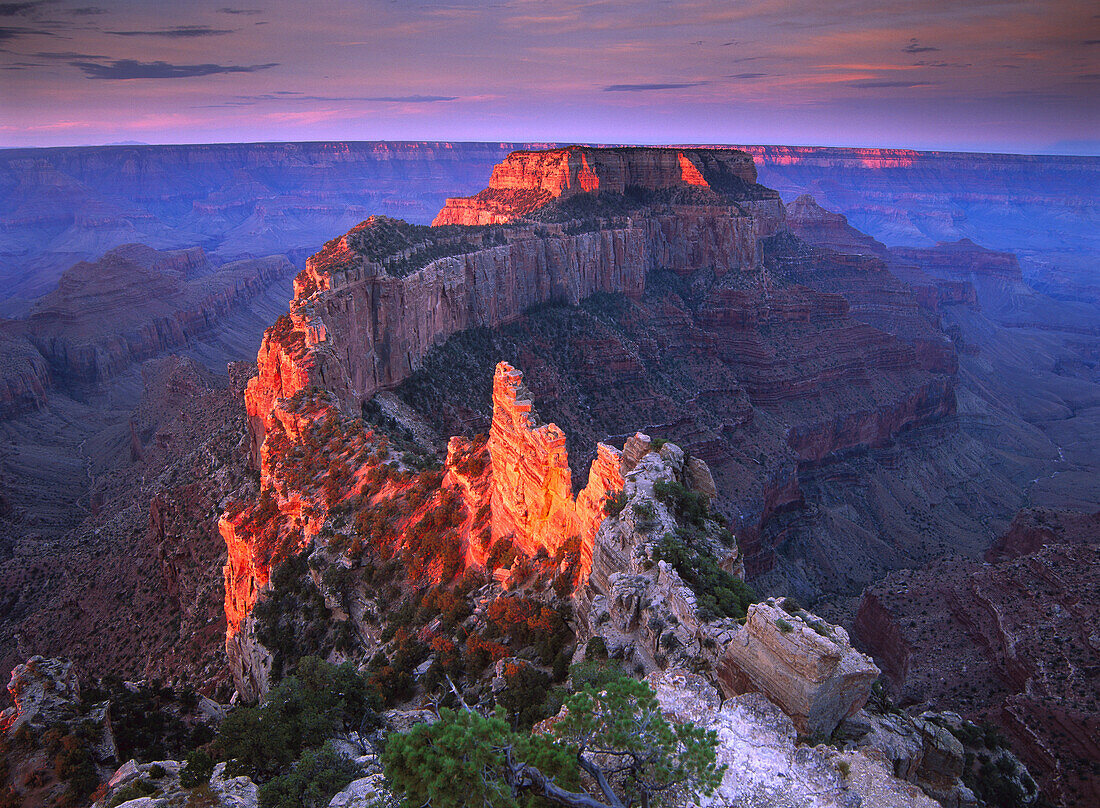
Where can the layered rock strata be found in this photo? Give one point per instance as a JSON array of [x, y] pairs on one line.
[[26, 377], [532, 491], [821, 352], [764, 763], [135, 303], [527, 180]]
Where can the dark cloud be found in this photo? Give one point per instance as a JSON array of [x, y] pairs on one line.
[[640, 88], [8, 33], [177, 32], [12, 9], [875, 85], [915, 47], [923, 63], [130, 69], [413, 99], [746, 75], [67, 55], [248, 11], [87, 11], [1091, 42]]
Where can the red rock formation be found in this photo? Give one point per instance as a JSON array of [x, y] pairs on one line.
[[515, 486], [527, 180], [532, 496]]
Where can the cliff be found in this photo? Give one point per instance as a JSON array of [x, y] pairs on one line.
[[509, 494], [370, 305], [532, 492], [239, 200], [527, 180], [26, 376]]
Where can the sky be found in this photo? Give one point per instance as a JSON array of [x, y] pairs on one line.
[[967, 75]]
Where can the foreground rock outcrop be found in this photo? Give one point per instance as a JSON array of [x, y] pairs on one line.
[[766, 766], [640, 605]]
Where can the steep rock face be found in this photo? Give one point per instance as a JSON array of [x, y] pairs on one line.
[[25, 376], [1010, 642], [806, 666], [532, 494], [356, 327], [240, 200], [527, 180], [815, 225], [511, 490]]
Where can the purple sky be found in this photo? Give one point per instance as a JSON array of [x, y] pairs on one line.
[[929, 74]]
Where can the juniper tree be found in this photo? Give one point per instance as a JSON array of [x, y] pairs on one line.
[[614, 749]]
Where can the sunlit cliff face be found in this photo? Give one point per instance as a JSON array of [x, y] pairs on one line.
[[512, 488]]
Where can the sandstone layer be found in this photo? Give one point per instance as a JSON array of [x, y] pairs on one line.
[[527, 180]]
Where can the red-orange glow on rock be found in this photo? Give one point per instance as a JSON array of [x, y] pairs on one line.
[[689, 173], [532, 493], [586, 177], [527, 180]]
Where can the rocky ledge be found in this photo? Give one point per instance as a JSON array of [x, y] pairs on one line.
[[665, 590]]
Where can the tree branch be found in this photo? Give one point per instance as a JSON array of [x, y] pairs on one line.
[[601, 780], [523, 776]]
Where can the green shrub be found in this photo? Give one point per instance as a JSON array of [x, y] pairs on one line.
[[313, 781], [593, 674], [197, 769], [614, 504], [718, 593], [132, 791], [596, 648], [301, 713], [784, 626]]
